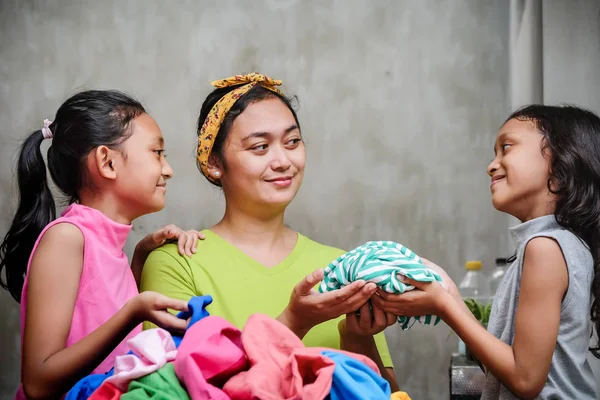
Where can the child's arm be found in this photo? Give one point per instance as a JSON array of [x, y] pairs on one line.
[[49, 369], [186, 244], [523, 367]]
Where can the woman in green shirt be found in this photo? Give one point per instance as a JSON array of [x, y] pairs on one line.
[[250, 144]]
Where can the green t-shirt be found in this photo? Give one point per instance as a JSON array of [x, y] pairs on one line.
[[240, 286]]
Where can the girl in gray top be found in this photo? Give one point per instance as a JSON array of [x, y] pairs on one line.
[[546, 173]]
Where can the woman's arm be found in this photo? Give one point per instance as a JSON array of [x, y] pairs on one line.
[[308, 308], [357, 336], [523, 367], [49, 369]]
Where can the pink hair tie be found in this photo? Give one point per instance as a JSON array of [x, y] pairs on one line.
[[46, 132]]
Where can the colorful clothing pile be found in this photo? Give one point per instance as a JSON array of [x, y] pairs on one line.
[[215, 360]]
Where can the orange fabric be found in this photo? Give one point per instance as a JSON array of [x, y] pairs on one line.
[[400, 396]]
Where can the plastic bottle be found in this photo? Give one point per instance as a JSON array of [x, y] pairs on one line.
[[473, 286], [497, 275]]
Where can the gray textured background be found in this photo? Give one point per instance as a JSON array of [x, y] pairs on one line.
[[399, 101]]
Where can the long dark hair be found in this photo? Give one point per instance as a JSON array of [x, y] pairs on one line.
[[254, 95], [85, 121], [572, 135]]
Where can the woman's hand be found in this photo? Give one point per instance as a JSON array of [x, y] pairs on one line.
[[308, 308], [356, 335], [369, 320]]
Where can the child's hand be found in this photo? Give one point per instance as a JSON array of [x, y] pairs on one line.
[[427, 298], [447, 281], [152, 307], [186, 241]]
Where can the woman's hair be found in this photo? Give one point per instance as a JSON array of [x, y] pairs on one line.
[[572, 135], [84, 122], [254, 95]]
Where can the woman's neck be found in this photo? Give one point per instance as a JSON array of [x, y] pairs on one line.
[[263, 238], [240, 227], [256, 228]]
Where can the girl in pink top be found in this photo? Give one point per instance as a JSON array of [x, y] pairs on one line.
[[78, 293]]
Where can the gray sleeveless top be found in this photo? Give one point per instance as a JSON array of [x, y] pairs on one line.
[[570, 376]]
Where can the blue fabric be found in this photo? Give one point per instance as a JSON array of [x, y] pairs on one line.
[[353, 379], [86, 386], [196, 310]]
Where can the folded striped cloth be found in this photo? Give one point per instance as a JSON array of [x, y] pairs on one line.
[[383, 263]]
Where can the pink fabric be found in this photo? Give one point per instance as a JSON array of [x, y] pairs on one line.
[[281, 367], [106, 282], [152, 348], [210, 352]]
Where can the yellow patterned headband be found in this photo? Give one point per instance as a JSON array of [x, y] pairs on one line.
[[212, 123]]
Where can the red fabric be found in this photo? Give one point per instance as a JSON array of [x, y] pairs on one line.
[[281, 367], [211, 351], [106, 391]]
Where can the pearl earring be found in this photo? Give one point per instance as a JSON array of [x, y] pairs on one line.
[[217, 174]]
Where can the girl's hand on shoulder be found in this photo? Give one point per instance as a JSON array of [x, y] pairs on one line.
[[186, 240]]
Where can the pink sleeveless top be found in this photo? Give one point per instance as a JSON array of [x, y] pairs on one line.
[[106, 279]]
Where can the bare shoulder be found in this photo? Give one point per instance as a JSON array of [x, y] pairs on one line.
[[56, 267], [544, 261], [63, 235], [59, 241], [545, 250]]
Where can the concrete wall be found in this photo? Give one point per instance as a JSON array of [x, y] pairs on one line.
[[399, 101], [572, 63]]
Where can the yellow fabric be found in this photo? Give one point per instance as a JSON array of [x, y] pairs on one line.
[[240, 286], [400, 396], [212, 123]]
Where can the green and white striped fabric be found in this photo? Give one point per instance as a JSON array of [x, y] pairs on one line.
[[381, 262]]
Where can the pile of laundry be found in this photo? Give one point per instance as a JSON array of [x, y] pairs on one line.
[[215, 360]]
